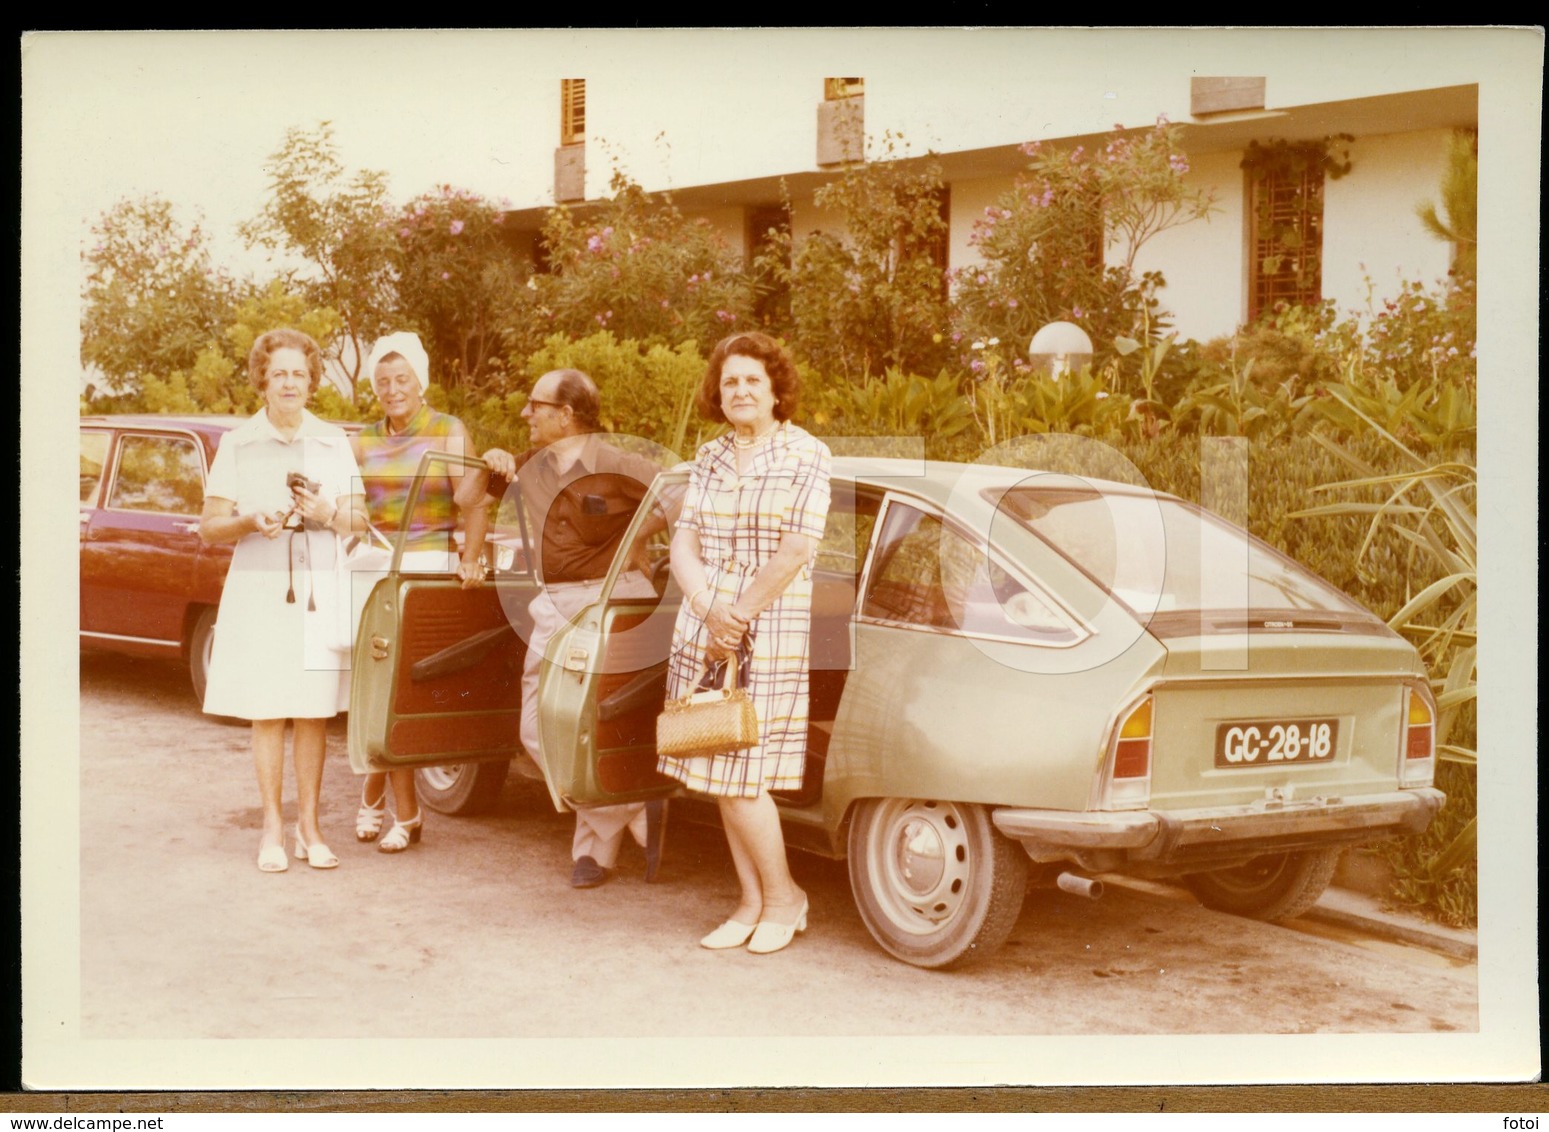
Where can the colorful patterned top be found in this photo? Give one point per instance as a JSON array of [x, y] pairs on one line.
[[740, 519], [388, 462]]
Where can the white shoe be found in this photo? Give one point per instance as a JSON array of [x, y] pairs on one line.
[[318, 855], [368, 819], [733, 933], [403, 834], [272, 859], [770, 936]]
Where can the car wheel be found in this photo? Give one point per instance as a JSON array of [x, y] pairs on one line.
[[201, 640], [462, 788], [1279, 886], [936, 884]]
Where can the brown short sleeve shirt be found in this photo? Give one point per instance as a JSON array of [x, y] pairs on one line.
[[580, 515]]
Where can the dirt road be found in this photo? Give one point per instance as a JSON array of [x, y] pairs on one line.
[[475, 933]]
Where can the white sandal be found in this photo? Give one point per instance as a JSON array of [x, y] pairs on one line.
[[368, 819], [318, 855], [403, 834]]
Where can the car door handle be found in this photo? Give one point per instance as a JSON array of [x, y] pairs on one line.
[[188, 528]]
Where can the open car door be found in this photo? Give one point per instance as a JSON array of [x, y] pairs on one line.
[[605, 675], [437, 669]]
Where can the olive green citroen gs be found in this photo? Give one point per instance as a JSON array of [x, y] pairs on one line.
[[1016, 677]]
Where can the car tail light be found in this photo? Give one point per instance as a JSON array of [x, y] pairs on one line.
[[1129, 769], [1417, 758]]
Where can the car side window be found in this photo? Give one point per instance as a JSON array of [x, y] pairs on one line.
[[158, 473], [851, 519], [928, 574], [94, 453]]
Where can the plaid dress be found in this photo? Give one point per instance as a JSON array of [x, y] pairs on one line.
[[739, 520]]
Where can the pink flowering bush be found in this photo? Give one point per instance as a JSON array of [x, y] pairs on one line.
[[1062, 243], [459, 283], [1410, 367], [636, 266], [871, 295]]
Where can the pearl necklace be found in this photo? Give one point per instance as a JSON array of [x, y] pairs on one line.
[[755, 441]]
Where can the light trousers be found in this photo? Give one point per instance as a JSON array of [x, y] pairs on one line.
[[599, 831]]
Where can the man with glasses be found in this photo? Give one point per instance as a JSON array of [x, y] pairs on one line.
[[581, 493]]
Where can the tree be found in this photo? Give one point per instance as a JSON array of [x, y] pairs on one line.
[[217, 381], [152, 299], [636, 266], [871, 295], [459, 282], [342, 227], [1046, 244], [1460, 202]]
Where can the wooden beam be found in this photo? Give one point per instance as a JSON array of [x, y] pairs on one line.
[[1215, 95]]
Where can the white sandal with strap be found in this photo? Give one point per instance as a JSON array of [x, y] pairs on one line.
[[318, 855], [403, 834], [368, 819]]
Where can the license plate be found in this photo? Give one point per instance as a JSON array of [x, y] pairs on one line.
[[1276, 742]]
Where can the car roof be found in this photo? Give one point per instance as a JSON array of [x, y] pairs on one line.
[[941, 480], [210, 424]]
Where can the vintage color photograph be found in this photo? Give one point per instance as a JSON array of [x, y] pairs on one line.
[[711, 558]]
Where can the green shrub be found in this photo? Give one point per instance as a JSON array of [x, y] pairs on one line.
[[894, 404], [647, 390], [1047, 244], [635, 265], [1453, 897], [870, 295]]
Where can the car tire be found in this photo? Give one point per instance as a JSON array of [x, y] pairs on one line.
[[1279, 886], [461, 788], [201, 639], [935, 883]]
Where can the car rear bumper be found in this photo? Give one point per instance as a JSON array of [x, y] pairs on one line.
[[1204, 835]]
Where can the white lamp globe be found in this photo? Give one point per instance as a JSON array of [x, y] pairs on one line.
[[1059, 348]]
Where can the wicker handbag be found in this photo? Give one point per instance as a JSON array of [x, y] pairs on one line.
[[708, 722]]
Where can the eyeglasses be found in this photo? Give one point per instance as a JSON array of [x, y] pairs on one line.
[[550, 404]]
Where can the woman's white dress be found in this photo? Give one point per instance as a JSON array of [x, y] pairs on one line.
[[262, 666]]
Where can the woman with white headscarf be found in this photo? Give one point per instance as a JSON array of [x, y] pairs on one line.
[[389, 453]]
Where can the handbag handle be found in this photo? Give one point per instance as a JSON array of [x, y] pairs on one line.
[[730, 683], [736, 660]]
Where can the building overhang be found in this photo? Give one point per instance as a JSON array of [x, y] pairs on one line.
[[1449, 107]]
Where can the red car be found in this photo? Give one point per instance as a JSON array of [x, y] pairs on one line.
[[149, 585]]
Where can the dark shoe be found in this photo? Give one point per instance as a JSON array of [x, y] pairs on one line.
[[587, 874], [655, 836]]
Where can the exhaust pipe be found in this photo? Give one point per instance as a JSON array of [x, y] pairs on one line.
[[1080, 886]]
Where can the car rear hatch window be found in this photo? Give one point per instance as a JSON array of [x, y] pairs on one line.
[[1169, 562]]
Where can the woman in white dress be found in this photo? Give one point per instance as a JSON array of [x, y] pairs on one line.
[[284, 489]]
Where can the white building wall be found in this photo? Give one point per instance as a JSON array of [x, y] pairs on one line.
[[1203, 261], [1369, 223], [729, 224], [969, 200]]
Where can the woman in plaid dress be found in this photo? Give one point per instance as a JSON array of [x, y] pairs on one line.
[[751, 521]]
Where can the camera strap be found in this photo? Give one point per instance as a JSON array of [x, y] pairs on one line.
[[290, 569]]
